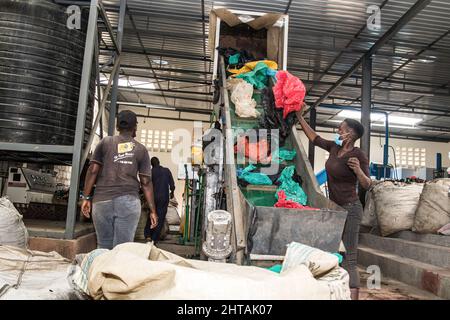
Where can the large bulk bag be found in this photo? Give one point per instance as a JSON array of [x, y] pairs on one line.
[[433, 211], [396, 206], [369, 216], [12, 229], [158, 274], [34, 275]]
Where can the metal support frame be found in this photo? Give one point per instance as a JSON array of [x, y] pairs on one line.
[[312, 124], [29, 147], [375, 133], [366, 103], [101, 108], [81, 120], [114, 93], [386, 145], [117, 43], [408, 16]]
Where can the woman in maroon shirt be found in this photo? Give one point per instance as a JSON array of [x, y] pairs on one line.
[[346, 167]]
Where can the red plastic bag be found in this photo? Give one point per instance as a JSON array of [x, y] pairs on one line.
[[257, 152], [283, 203], [289, 92]]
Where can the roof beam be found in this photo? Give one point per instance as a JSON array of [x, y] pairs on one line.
[[407, 17], [381, 78], [163, 53]]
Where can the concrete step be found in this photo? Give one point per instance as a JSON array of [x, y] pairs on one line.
[[424, 252], [421, 275], [436, 239]]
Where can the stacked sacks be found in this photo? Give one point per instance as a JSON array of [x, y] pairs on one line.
[[433, 211], [396, 206]]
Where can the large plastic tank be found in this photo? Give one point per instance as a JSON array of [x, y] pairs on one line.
[[41, 61]]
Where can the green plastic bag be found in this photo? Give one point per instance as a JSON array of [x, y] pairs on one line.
[[283, 154], [254, 177], [276, 268], [291, 188], [340, 258], [234, 59], [257, 77]]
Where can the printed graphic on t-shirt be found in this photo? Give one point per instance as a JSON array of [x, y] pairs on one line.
[[124, 153], [125, 147]]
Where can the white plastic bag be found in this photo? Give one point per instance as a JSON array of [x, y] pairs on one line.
[[241, 96]]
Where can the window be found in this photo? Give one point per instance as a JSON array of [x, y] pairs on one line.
[[156, 140], [410, 157]]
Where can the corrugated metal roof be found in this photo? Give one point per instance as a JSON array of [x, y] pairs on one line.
[[412, 70]]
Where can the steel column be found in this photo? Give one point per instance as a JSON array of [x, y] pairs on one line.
[[81, 120], [101, 107], [312, 124], [366, 103], [115, 89]]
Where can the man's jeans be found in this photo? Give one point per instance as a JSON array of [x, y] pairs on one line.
[[116, 220]]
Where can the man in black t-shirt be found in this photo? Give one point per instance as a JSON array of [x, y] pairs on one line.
[[116, 163]]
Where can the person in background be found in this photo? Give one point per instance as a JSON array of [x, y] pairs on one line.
[[346, 167], [162, 183], [115, 165]]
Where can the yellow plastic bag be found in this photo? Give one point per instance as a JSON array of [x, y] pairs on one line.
[[249, 66]]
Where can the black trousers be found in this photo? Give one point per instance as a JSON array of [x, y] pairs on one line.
[[350, 238], [161, 210]]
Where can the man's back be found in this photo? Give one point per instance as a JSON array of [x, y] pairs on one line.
[[122, 158], [162, 182]]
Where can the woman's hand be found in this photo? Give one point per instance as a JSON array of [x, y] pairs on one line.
[[302, 111], [364, 180], [354, 164]]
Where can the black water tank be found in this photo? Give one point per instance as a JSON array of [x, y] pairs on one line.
[[40, 72]]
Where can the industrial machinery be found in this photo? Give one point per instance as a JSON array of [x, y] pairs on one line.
[[217, 245], [35, 194], [261, 231]]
